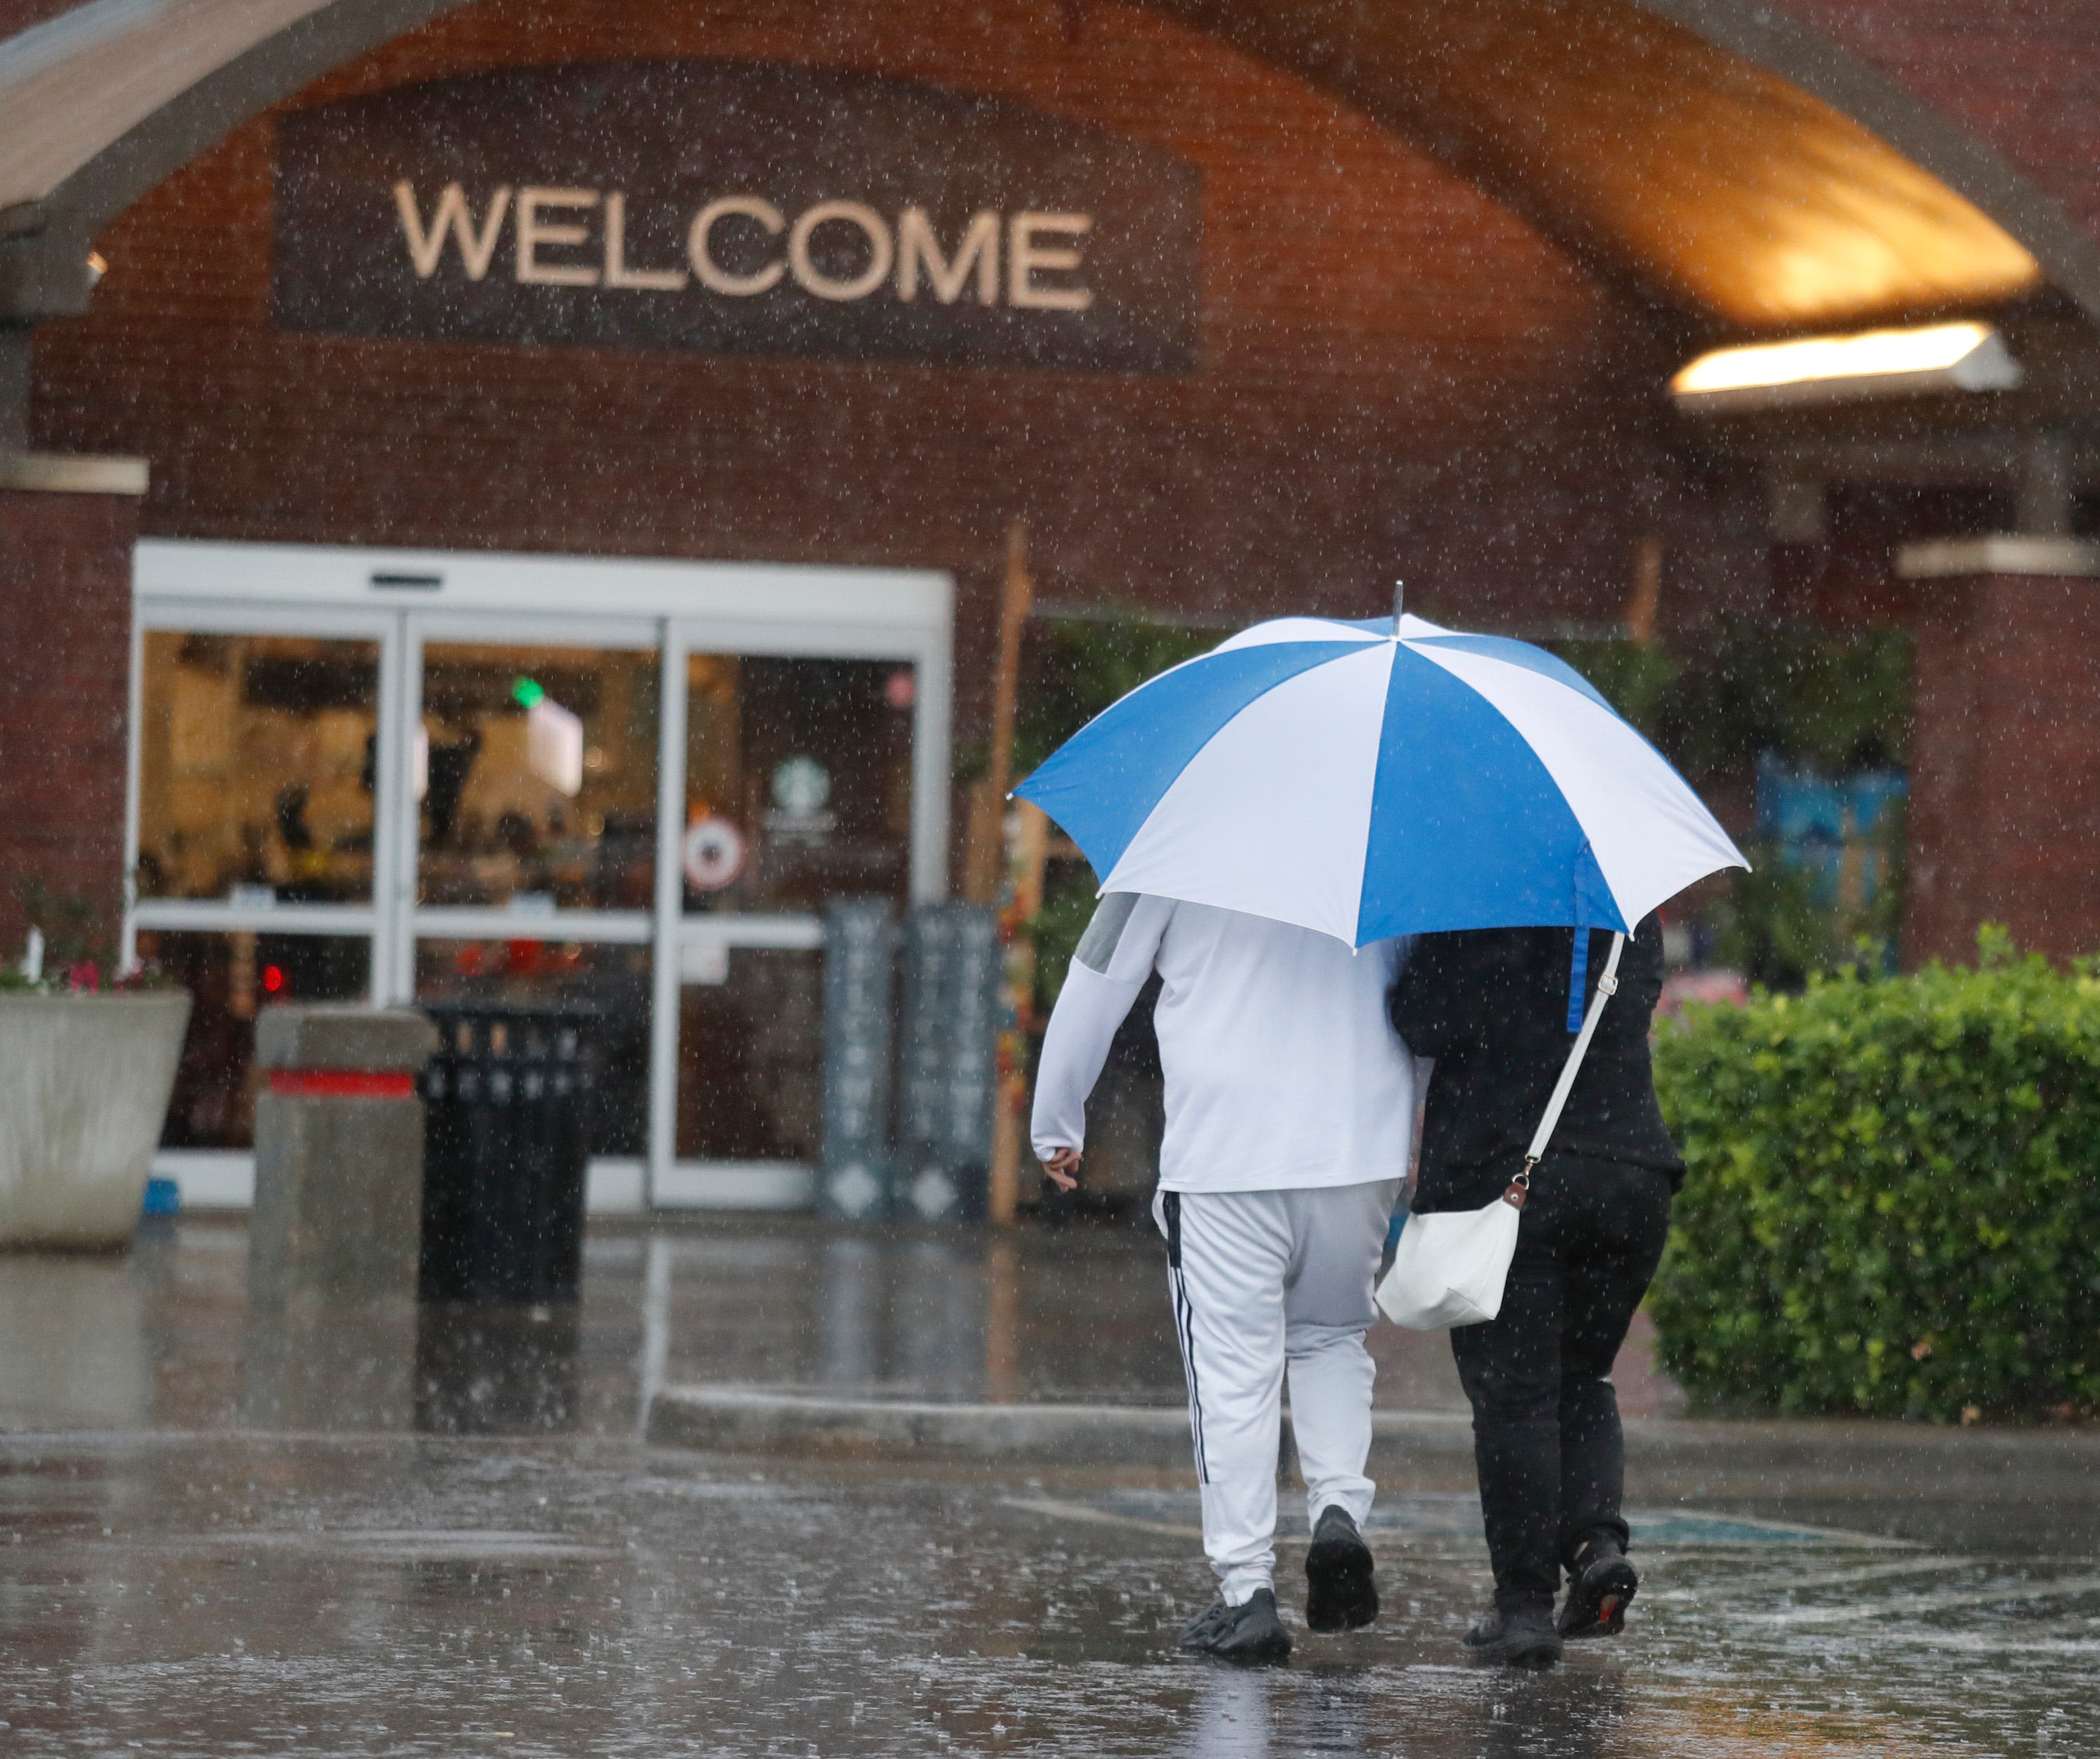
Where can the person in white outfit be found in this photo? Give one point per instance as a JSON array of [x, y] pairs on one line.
[[1290, 1106]]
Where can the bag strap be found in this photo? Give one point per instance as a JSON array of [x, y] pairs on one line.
[[1607, 985]]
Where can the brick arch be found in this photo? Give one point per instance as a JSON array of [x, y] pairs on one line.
[[1726, 163]]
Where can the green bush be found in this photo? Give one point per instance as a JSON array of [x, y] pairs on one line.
[[1894, 1203], [1835, 703], [1773, 928], [1638, 681]]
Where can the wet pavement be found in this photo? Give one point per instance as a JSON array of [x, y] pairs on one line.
[[178, 1577], [163, 1338]]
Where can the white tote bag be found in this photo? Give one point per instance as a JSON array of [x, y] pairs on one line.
[[1451, 1266]]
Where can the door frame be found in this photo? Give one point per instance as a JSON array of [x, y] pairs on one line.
[[402, 598]]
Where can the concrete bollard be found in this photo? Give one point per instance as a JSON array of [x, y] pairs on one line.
[[338, 1154]]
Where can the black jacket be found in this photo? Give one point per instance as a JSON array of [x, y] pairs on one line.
[[1491, 1006]]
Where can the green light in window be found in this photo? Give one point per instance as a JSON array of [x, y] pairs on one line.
[[527, 691]]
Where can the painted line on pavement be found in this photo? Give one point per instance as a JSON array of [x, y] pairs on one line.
[[1825, 1579], [409, 1545], [1078, 1511], [1659, 1520], [1984, 1642], [1916, 1603]]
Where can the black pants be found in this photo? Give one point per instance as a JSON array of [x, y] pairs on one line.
[[1546, 1440]]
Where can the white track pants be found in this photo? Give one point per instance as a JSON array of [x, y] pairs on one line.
[[1262, 1280]]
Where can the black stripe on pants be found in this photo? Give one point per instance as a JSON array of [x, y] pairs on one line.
[[1185, 1324]]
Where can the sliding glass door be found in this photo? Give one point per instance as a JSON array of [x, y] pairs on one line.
[[638, 810], [260, 822]]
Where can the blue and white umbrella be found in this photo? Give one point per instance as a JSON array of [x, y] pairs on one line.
[[1364, 783]]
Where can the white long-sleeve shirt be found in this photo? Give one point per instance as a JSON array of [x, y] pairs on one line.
[[1283, 1070]]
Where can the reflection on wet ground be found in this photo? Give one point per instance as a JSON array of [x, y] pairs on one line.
[[417, 1595], [164, 1338], [373, 1531]]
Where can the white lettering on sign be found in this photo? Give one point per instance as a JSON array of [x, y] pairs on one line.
[[880, 251], [453, 219], [1023, 257], [533, 233], [712, 275], [1037, 246], [617, 274], [979, 249]]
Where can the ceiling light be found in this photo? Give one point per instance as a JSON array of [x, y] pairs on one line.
[[1824, 369]]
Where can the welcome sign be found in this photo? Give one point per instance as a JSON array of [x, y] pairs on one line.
[[738, 208]]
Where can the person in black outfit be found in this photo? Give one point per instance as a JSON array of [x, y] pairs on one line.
[[1491, 1006]]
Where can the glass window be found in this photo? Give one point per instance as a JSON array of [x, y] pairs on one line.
[[798, 781], [751, 1059], [255, 767], [229, 976], [536, 767], [609, 981]]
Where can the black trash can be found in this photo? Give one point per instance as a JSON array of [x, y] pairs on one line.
[[507, 1110]]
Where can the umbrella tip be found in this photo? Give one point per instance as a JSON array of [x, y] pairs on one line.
[[1399, 595]]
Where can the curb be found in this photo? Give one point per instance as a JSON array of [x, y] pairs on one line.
[[739, 1420], [736, 1420], [1858, 1459], [1844, 1459]]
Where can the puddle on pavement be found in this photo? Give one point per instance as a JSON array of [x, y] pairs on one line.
[[164, 1337], [390, 1533], [433, 1595], [1420, 1517]]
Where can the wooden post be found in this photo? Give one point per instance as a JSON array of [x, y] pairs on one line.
[[1029, 827], [1647, 592], [1012, 614], [985, 856], [1027, 855], [992, 876]]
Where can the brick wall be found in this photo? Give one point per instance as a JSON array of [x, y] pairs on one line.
[[1397, 376], [2005, 807], [65, 657]]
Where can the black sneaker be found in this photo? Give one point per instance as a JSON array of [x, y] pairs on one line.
[[1340, 1595], [1249, 1632], [1600, 1582], [1523, 1636]]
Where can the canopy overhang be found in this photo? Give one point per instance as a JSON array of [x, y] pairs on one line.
[[1738, 170]]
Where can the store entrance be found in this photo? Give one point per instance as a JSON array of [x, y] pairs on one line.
[[632, 786]]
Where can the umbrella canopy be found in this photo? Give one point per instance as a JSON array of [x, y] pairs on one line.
[[1364, 781]]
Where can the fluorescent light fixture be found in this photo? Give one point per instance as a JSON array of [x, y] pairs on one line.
[[1826, 369]]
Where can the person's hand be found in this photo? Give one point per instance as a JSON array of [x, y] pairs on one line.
[[1061, 1166]]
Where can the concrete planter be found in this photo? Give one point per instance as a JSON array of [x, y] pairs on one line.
[[84, 1085]]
